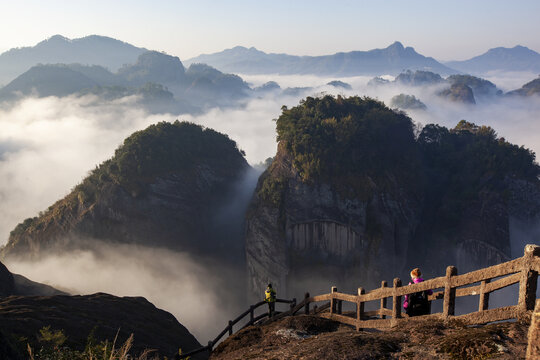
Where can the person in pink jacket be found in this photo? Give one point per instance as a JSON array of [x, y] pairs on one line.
[[417, 303]]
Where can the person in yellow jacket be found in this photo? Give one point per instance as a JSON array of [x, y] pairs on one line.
[[270, 298]]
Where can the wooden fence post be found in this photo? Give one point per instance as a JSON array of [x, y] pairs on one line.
[[306, 306], [359, 308], [449, 304], [484, 297], [396, 302], [529, 278], [533, 348], [333, 301], [293, 305], [383, 300]]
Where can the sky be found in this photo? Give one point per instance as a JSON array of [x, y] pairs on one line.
[[445, 30]]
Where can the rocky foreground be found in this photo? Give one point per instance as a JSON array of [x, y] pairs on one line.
[[311, 337], [99, 317], [39, 317]]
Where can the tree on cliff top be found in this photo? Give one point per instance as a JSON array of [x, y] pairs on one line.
[[156, 151], [329, 135]]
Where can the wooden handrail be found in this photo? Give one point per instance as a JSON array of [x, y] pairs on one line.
[[229, 328], [523, 270]]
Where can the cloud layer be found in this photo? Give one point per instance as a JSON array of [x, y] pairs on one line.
[[201, 294], [48, 145]]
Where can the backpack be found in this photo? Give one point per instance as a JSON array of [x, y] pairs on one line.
[[418, 304]]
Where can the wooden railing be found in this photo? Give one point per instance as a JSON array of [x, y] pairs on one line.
[[523, 271], [483, 282], [229, 328]]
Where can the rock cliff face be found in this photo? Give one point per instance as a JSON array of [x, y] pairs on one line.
[[166, 186], [319, 236], [524, 214], [303, 233], [325, 213]]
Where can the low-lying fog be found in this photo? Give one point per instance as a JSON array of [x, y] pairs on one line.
[[48, 145], [203, 298]]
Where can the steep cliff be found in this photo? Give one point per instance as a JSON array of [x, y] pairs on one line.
[[477, 184], [353, 197], [328, 209], [166, 186]]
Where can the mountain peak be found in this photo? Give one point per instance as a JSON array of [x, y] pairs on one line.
[[396, 45], [516, 49], [58, 37], [244, 50], [239, 48], [390, 60], [517, 58], [55, 39]]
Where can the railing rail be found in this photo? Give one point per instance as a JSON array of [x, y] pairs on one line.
[[229, 328], [522, 271]]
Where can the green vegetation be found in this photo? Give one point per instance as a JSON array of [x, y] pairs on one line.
[[51, 346], [468, 164], [470, 157], [164, 148], [159, 150], [272, 190], [21, 227], [341, 140], [357, 143], [404, 101]]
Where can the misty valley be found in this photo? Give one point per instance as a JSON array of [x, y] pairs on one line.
[[151, 197]]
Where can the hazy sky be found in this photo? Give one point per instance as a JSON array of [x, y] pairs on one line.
[[446, 30]]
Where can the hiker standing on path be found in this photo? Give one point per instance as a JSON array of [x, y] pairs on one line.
[[270, 298], [417, 304]]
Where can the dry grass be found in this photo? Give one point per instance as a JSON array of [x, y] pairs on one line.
[[106, 353]]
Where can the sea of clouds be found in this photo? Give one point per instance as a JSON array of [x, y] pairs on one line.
[[48, 145]]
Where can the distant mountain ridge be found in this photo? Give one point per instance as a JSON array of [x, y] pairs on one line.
[[518, 58], [89, 50], [390, 60], [161, 79]]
